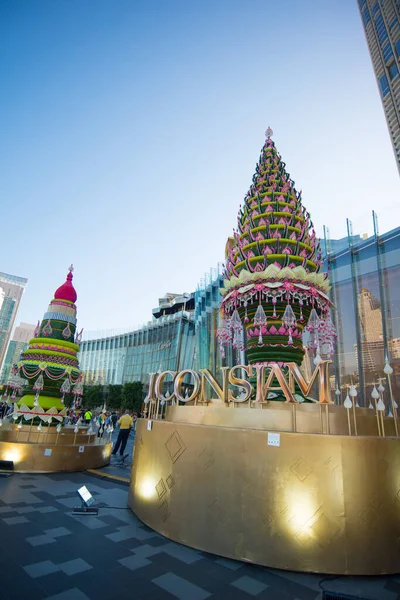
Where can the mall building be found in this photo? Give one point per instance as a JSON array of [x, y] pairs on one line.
[[165, 343], [365, 274]]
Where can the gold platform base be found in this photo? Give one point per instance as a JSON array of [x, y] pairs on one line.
[[317, 502], [47, 452]]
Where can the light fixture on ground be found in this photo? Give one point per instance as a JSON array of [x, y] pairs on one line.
[[87, 501], [5, 467]]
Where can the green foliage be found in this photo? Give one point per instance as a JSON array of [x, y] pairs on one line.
[[132, 396], [114, 396], [93, 396], [128, 396]]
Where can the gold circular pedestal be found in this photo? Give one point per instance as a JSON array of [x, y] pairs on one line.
[[48, 452], [317, 502]]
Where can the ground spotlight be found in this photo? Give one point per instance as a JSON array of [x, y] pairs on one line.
[[5, 467], [87, 501]]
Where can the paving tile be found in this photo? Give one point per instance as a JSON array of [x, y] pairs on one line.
[[100, 585], [15, 520], [180, 588], [146, 550], [6, 509], [72, 594], [186, 555], [40, 540], [24, 510], [72, 567], [47, 509], [40, 569], [233, 565], [88, 521], [58, 532], [16, 584], [134, 562], [249, 585]]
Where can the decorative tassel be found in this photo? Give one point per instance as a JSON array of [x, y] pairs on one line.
[[274, 303], [67, 333], [260, 319], [37, 330], [65, 389], [289, 318], [246, 318], [47, 329], [301, 310]]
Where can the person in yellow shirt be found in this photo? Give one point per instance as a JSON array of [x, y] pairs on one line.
[[125, 423]]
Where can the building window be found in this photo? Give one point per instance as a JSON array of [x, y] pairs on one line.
[[366, 16], [381, 29], [384, 84], [393, 71], [398, 47], [393, 23], [387, 52], [375, 9]]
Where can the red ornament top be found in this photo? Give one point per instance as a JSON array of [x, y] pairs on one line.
[[66, 291]]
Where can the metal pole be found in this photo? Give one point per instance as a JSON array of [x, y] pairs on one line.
[[333, 295], [354, 281], [380, 252]]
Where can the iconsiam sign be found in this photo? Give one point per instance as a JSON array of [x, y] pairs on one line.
[[274, 289]]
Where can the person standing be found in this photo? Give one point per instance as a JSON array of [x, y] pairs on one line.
[[101, 421], [114, 419], [88, 416], [125, 423]]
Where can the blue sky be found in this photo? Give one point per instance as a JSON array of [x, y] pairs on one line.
[[130, 132]]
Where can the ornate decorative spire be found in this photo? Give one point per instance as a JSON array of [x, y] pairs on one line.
[[274, 260], [67, 291], [269, 132]]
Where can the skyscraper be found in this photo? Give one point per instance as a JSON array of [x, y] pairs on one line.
[[20, 341], [381, 20], [11, 290]]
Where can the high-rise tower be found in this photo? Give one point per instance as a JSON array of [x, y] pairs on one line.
[[11, 290], [381, 20]]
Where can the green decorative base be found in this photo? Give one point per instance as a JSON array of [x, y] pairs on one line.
[[45, 402]]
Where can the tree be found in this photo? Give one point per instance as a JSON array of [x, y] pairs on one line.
[[93, 396], [114, 398], [132, 396]]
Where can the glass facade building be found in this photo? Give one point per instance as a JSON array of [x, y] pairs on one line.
[[381, 21], [11, 289], [207, 320], [366, 294], [166, 343], [20, 342]]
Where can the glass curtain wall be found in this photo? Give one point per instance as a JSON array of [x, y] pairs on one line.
[[207, 319], [164, 344], [366, 294]]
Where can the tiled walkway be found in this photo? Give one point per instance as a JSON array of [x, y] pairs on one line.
[[46, 552]]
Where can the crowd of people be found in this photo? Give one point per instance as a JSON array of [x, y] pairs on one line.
[[5, 410], [107, 421], [104, 421]]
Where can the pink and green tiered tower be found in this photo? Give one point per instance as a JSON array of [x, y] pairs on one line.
[[274, 289], [50, 364]]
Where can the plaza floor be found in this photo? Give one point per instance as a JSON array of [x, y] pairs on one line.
[[47, 552]]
